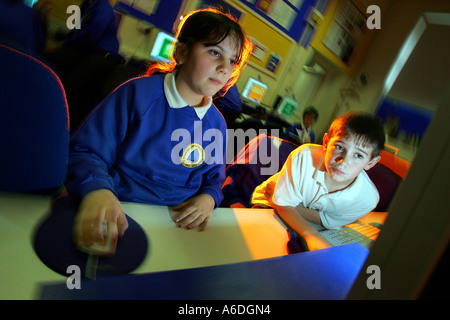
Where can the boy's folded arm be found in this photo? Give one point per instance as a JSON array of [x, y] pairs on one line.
[[310, 215], [295, 218]]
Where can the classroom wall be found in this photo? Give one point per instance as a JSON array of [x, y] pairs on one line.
[[136, 37], [58, 8], [275, 41], [398, 19], [401, 19], [133, 42], [329, 99]]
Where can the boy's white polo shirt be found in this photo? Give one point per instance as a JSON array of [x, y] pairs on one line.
[[301, 182]]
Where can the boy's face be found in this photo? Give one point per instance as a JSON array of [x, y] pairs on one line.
[[308, 120], [344, 160]]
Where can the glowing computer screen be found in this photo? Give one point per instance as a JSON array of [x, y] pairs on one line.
[[287, 106], [254, 90], [30, 3], [162, 48]]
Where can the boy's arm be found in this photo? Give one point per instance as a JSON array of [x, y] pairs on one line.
[[296, 219]]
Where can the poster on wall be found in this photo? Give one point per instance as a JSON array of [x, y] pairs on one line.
[[345, 31], [221, 6], [287, 15], [282, 14], [273, 62], [296, 3], [259, 50], [265, 5], [147, 7], [161, 14], [279, 11]]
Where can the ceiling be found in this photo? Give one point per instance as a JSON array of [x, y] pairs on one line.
[[423, 78]]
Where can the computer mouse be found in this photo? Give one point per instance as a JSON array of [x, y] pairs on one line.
[[108, 248]]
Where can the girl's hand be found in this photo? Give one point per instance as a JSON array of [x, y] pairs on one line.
[[96, 207], [195, 212]]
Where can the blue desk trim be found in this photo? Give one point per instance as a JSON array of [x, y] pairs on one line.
[[324, 274]]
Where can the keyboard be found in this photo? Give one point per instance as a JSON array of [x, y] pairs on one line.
[[360, 232]]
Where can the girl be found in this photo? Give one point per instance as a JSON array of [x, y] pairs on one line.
[[158, 139]]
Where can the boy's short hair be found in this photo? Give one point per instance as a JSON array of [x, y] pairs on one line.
[[365, 127]]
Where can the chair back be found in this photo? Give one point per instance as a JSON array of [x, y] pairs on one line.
[[34, 127], [261, 158], [387, 182], [387, 175]]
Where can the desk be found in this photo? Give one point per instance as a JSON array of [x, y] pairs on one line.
[[243, 255], [322, 274], [234, 235]]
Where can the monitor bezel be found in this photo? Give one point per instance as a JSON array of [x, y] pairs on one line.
[[157, 46], [247, 89]]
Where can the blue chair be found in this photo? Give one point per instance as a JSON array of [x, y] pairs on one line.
[[387, 182], [34, 127], [249, 168]]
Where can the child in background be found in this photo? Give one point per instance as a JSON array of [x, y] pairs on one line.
[[301, 133], [327, 185], [154, 139]]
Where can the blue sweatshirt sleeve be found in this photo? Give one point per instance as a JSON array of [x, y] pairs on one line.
[[230, 102], [214, 178], [213, 181], [94, 145], [291, 129], [312, 136]]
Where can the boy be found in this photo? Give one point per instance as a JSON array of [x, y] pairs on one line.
[[301, 133], [327, 184]]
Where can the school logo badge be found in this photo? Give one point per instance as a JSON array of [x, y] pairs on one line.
[[193, 156]]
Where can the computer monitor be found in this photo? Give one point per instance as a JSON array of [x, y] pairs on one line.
[[254, 90], [30, 3], [287, 106], [162, 48], [412, 251], [416, 233]]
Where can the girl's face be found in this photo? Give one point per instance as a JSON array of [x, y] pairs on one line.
[[205, 69], [344, 160]]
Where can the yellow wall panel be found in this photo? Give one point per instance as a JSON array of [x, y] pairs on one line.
[[267, 36], [58, 8]]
